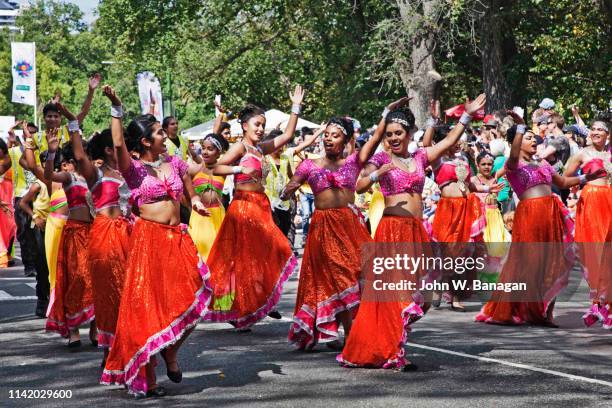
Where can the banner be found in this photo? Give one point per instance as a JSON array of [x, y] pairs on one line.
[[6, 122], [23, 67], [149, 89]]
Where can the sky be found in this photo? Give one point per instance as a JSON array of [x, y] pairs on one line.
[[86, 6]]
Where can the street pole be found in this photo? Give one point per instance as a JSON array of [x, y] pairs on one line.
[[168, 104]]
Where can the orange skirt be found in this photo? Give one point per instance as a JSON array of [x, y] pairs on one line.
[[380, 331], [165, 294], [594, 238], [329, 278], [249, 262], [73, 305], [108, 249], [536, 220], [459, 219]]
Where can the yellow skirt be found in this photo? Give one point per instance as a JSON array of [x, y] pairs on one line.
[[53, 233], [375, 213], [495, 232], [203, 230]]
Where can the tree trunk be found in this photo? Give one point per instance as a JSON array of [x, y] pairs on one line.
[[421, 78], [492, 44]]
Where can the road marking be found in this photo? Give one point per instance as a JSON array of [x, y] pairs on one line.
[[6, 296], [24, 278], [515, 365], [32, 285]]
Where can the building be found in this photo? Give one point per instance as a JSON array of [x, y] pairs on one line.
[[9, 10]]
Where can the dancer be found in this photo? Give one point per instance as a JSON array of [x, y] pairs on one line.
[[108, 246], [594, 222], [73, 302], [251, 258], [165, 292], [8, 228], [203, 230], [328, 290], [384, 320], [540, 217]]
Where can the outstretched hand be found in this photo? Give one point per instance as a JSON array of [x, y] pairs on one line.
[[297, 96], [52, 140], [95, 80], [399, 103], [64, 111], [471, 107], [434, 109], [110, 93]]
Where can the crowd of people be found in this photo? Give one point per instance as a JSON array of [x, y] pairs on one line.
[[140, 233]]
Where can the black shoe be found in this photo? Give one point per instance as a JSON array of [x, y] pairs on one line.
[[275, 314], [335, 345], [29, 273], [457, 308], [156, 392], [41, 309], [409, 367], [74, 344], [436, 303], [174, 376]]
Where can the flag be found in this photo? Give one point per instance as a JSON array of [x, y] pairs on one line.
[[23, 67], [150, 89]]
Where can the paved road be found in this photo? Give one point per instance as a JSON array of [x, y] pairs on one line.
[[462, 364]]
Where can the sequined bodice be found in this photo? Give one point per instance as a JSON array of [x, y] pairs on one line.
[[398, 181], [110, 192], [320, 178], [251, 160], [446, 173], [76, 192], [147, 189], [528, 175]]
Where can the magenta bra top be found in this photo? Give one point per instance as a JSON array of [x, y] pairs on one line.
[[249, 159], [147, 189], [109, 192], [528, 175], [398, 181], [320, 178], [76, 192]]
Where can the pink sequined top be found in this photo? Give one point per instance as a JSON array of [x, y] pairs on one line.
[[147, 189], [321, 179], [528, 175], [109, 192], [446, 174], [76, 192], [398, 181]]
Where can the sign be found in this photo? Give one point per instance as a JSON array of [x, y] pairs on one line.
[[149, 90], [23, 68]]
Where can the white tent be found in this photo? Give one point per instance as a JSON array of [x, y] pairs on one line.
[[274, 119]]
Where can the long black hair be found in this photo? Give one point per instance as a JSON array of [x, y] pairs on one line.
[[99, 142], [140, 127]]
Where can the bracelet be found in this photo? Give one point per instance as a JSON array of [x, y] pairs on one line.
[[583, 179], [237, 169], [29, 144], [465, 119], [385, 113], [521, 129], [73, 126], [117, 111], [296, 108], [50, 155], [374, 176]]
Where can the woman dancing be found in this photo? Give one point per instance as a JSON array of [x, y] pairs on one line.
[[594, 222], [328, 291], [165, 292], [251, 258], [203, 230], [383, 322], [540, 217]]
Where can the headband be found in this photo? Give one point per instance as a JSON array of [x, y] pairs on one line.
[[214, 141], [603, 126], [400, 121], [339, 126]]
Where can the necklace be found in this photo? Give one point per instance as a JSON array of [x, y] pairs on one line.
[[156, 164], [461, 171], [406, 161]]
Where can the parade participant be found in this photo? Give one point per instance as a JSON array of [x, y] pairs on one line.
[[8, 228], [540, 217], [73, 299], [380, 331], [594, 221], [108, 245], [166, 291], [328, 291], [203, 230], [251, 258]]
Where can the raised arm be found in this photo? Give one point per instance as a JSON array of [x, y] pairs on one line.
[[577, 117], [300, 176], [218, 118], [309, 140], [94, 81], [123, 156], [567, 182], [573, 164], [85, 166], [430, 127], [471, 107], [279, 141], [50, 173]]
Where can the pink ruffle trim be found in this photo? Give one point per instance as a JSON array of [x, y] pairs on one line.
[[159, 341], [306, 321], [251, 319], [598, 313], [410, 314], [105, 339], [72, 321]]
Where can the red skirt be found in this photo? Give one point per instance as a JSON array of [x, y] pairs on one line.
[[249, 262], [108, 250], [594, 238], [166, 292], [380, 331], [536, 220], [329, 278], [73, 305], [459, 219]]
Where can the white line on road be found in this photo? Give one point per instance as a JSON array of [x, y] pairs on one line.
[[515, 365], [5, 296], [24, 278], [32, 285]]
